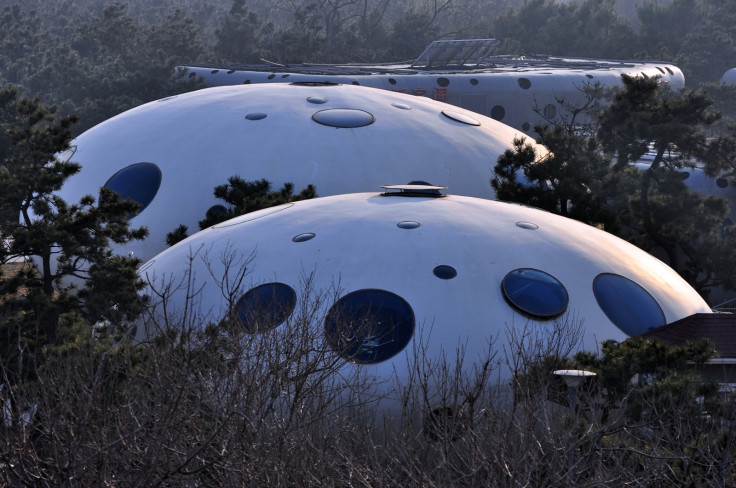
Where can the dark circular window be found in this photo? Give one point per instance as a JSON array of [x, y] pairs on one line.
[[550, 111], [369, 326], [498, 112], [214, 71], [443, 81], [392, 81], [629, 306], [473, 81], [525, 126], [356, 83], [535, 293], [230, 71], [271, 77], [462, 118], [256, 116], [346, 118], [139, 182], [265, 307], [525, 83], [444, 272]]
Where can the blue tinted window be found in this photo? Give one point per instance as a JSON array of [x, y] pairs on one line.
[[535, 293], [265, 307], [139, 182], [629, 306], [369, 326]]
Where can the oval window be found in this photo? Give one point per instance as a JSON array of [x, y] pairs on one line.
[[139, 182], [265, 307], [369, 326], [524, 83], [344, 117], [629, 306], [535, 293]]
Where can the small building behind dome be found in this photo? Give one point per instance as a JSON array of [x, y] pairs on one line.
[[168, 155], [412, 264]]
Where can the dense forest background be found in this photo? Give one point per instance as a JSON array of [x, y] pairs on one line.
[[97, 58]]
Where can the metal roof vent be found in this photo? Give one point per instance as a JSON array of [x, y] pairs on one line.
[[414, 189]]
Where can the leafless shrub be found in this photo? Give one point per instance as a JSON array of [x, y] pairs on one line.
[[207, 404]]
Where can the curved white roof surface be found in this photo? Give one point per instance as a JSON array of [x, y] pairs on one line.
[[729, 76], [340, 138], [465, 270]]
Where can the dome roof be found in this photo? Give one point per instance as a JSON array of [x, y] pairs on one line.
[[170, 154], [451, 271], [729, 76]]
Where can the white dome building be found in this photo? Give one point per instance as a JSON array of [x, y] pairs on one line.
[[170, 154], [412, 264]]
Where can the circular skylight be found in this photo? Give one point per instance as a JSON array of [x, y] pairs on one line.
[[458, 117], [317, 100], [535, 293], [345, 118], [369, 326], [408, 224], [303, 237]]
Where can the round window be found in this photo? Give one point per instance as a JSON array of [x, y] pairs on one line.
[[139, 182], [265, 307], [629, 306], [369, 326], [535, 293], [498, 112]]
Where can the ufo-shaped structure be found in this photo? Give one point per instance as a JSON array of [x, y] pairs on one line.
[[170, 154], [413, 264]]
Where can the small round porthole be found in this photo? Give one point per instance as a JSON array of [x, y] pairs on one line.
[[256, 116], [498, 112], [344, 118], [392, 81], [443, 82], [525, 83], [525, 126], [139, 182], [265, 307], [535, 293], [473, 81], [369, 326], [444, 272]]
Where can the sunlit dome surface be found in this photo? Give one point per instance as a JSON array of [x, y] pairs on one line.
[[729, 76], [170, 154], [450, 271]]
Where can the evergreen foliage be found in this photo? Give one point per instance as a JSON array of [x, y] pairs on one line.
[[66, 241], [243, 197]]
